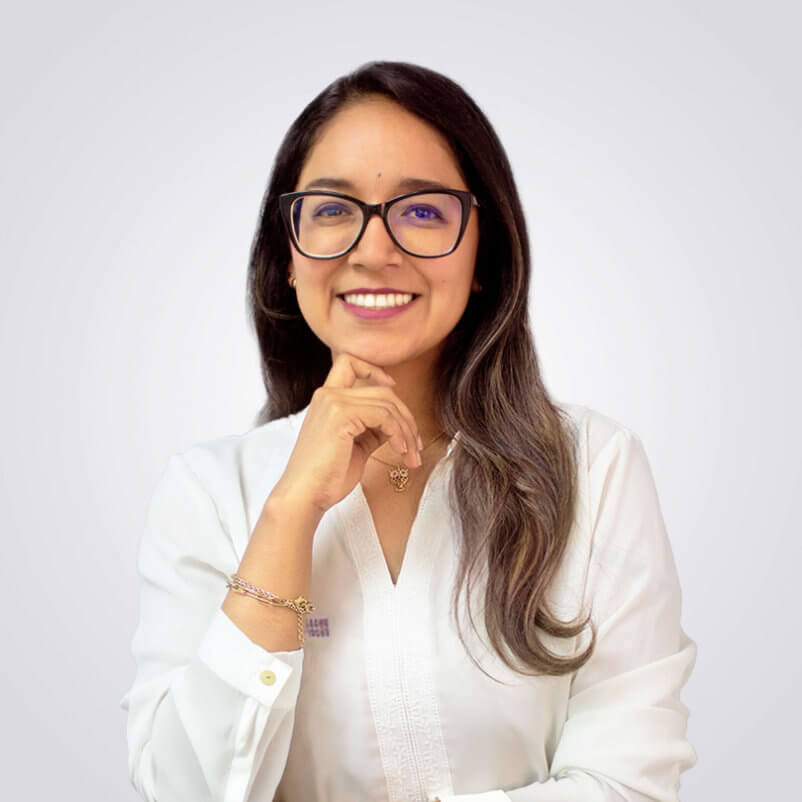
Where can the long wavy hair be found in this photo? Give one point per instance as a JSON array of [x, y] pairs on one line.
[[513, 483]]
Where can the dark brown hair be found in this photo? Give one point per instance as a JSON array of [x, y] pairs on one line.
[[513, 483]]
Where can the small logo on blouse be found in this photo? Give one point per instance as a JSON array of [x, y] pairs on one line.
[[317, 627]]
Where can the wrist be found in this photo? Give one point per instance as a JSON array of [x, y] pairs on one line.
[[283, 511]]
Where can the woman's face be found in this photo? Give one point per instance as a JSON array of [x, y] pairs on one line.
[[370, 149]]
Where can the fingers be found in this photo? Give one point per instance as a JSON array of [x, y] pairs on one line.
[[387, 416], [353, 413], [385, 396], [361, 415], [346, 369], [371, 426]]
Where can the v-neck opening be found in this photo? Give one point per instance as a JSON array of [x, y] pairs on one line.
[[408, 558]]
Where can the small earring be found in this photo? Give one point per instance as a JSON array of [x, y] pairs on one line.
[[291, 281]]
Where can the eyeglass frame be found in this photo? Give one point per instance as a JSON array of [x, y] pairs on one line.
[[466, 197]]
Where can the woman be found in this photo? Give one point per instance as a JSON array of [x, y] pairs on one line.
[[307, 585]]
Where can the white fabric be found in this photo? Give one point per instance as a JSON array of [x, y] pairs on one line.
[[383, 704]]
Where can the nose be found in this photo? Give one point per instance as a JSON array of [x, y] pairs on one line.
[[375, 247]]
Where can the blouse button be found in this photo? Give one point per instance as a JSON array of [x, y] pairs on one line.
[[268, 677]]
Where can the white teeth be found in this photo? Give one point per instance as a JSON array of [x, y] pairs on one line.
[[379, 301]]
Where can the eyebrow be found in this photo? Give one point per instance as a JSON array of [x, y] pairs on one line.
[[408, 184]]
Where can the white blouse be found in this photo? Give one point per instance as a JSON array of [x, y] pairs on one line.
[[383, 704]]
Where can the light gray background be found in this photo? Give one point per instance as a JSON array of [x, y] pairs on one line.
[[656, 148]]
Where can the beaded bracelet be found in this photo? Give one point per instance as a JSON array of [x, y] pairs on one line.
[[301, 606]]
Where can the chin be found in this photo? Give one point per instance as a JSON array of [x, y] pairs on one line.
[[384, 357]]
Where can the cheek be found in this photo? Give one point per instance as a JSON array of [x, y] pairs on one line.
[[300, 264], [314, 292], [314, 276], [458, 278], [449, 301]]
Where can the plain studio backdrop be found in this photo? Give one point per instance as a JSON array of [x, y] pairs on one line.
[[656, 150]]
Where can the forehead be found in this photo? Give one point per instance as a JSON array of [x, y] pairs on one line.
[[375, 143]]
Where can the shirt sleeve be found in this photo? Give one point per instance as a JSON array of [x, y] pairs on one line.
[[624, 735], [208, 706]]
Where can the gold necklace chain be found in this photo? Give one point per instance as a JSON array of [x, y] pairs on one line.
[[399, 474]]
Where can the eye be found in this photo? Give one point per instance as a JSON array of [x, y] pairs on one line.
[[421, 212], [330, 210]]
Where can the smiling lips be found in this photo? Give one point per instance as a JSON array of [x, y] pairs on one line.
[[378, 301], [372, 305], [384, 298]]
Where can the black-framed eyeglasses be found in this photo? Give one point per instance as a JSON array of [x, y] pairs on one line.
[[323, 224]]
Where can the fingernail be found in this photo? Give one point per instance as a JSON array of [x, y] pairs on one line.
[[420, 444]]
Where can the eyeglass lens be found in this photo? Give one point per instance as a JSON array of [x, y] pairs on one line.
[[426, 225]]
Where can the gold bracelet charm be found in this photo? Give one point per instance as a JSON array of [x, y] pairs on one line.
[[301, 606]]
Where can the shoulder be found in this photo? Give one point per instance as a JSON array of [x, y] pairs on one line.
[[231, 476], [219, 486], [615, 474], [623, 514], [243, 455], [596, 432]]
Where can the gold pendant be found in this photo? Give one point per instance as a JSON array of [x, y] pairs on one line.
[[399, 476]]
